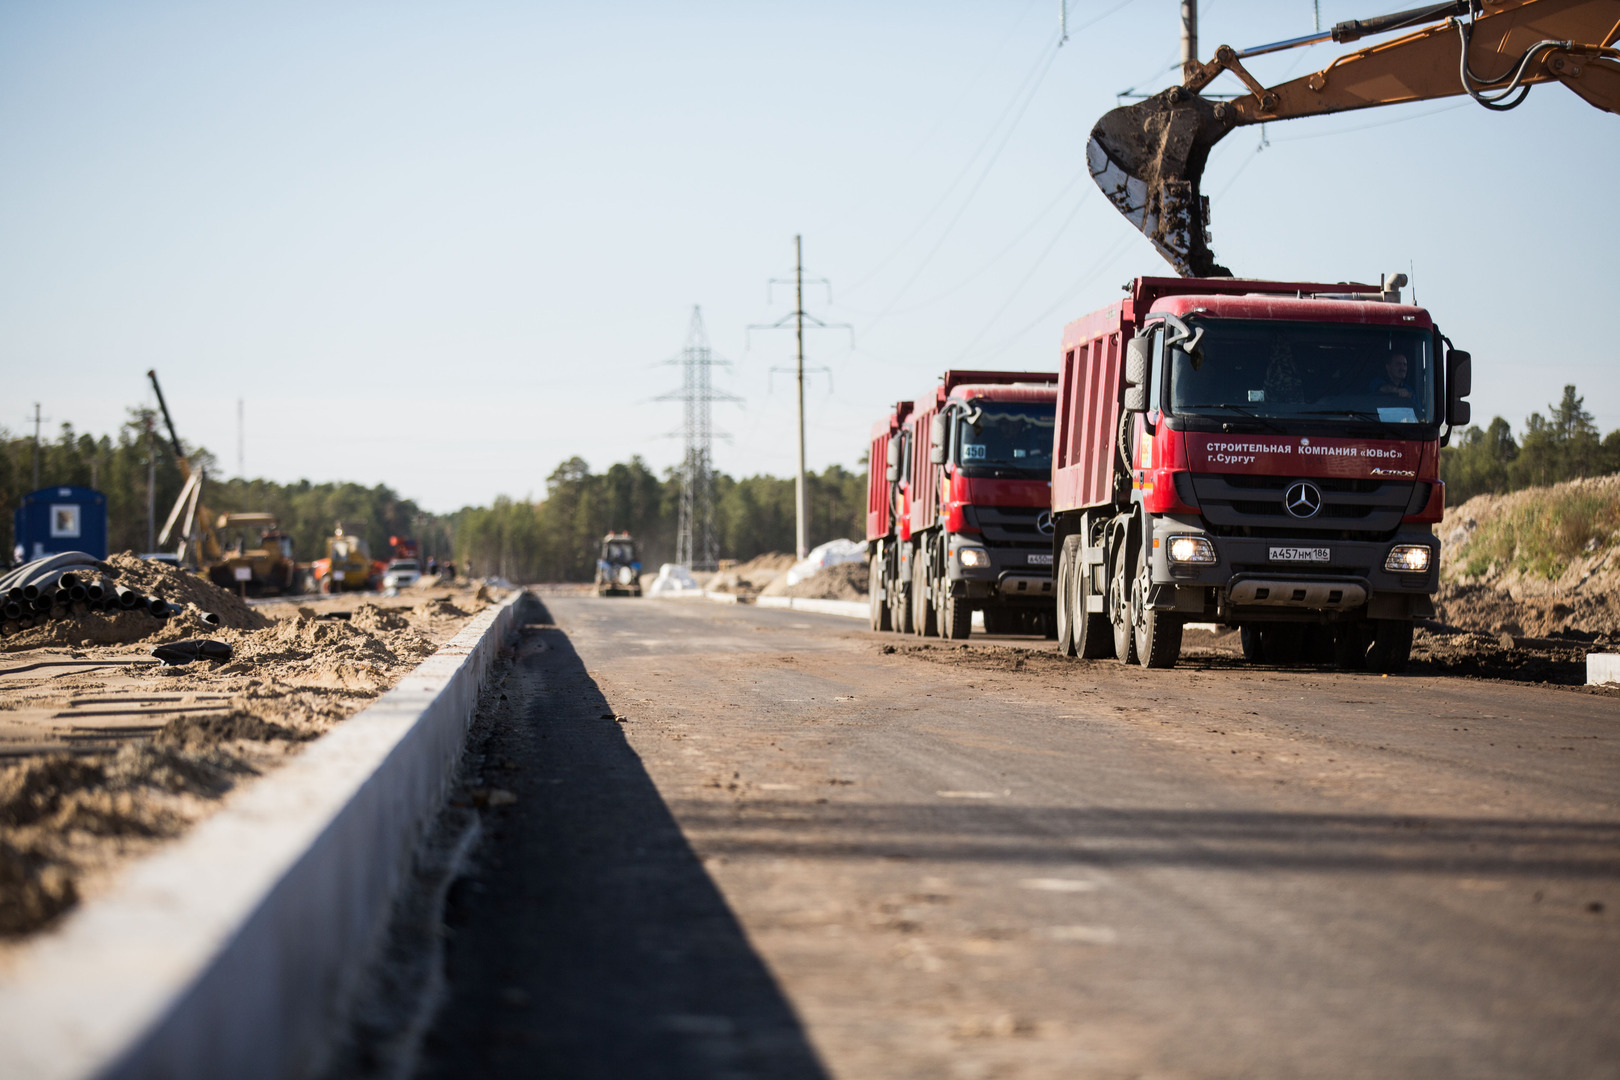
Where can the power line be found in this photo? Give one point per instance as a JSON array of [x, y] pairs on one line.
[[696, 545]]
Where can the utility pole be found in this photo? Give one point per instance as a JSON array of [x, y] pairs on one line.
[[37, 421], [801, 491], [151, 486], [1189, 34], [696, 545], [241, 454]]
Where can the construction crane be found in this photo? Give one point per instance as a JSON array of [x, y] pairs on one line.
[[1149, 157]]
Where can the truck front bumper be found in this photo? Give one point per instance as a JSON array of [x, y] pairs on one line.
[[1002, 574], [1290, 578]]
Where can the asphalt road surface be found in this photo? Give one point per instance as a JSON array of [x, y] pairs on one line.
[[759, 843]]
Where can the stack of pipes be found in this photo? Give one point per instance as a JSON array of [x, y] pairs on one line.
[[67, 586]]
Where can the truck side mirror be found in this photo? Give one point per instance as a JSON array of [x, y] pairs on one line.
[[893, 453], [1138, 355], [938, 432], [1459, 384], [1136, 399]]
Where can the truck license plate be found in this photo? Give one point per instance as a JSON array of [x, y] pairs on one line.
[[1300, 554], [1040, 560]]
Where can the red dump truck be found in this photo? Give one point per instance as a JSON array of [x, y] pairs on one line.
[[1260, 454], [958, 507]]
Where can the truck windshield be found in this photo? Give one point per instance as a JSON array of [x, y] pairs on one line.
[[997, 437], [1288, 370]]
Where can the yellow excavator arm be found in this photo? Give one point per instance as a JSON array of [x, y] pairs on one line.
[[1149, 157]]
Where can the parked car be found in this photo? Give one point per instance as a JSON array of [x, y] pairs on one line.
[[401, 574]]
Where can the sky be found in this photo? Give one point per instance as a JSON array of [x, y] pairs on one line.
[[446, 247]]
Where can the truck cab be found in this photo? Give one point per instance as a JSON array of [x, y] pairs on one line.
[[1259, 454]]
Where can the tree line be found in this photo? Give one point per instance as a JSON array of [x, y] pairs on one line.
[[555, 538], [1563, 445], [137, 471]]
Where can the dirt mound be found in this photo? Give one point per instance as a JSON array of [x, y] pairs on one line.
[[757, 574], [180, 587], [841, 581], [372, 618]]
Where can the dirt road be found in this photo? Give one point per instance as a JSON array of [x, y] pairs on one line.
[[759, 843]]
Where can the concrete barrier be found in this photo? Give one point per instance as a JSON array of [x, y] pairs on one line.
[[231, 952], [854, 609], [1602, 668]]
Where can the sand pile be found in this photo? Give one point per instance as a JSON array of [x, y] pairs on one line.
[[841, 581], [65, 821], [181, 587], [1541, 562], [752, 576], [78, 626]]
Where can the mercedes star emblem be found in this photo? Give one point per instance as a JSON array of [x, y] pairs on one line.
[[1302, 500], [1043, 522]]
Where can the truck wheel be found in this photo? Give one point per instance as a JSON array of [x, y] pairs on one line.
[[1254, 644], [1391, 647], [955, 613], [1119, 607], [922, 612], [1155, 634], [1068, 557], [899, 605], [875, 596]]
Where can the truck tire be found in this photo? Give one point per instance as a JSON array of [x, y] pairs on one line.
[[1285, 644], [955, 613], [1254, 644], [1155, 634], [1391, 648], [899, 604], [995, 619], [1119, 606], [922, 612], [1092, 635], [1068, 556], [876, 598]]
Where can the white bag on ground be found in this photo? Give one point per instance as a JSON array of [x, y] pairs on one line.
[[672, 579], [831, 553]]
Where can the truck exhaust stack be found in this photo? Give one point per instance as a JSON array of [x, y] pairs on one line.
[[1148, 158]]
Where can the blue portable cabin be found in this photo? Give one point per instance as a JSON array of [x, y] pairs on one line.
[[57, 519]]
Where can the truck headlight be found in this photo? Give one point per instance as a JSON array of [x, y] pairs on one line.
[[1191, 549], [973, 557], [1408, 559]]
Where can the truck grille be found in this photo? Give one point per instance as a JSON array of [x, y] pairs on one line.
[[1011, 526], [1351, 509]]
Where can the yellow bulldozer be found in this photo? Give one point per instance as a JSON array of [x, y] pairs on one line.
[[248, 552], [348, 565]]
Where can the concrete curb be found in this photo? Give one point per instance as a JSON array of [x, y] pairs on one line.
[[854, 609], [230, 952], [1602, 668]]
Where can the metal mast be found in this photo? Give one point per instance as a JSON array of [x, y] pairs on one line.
[[696, 545], [801, 511]]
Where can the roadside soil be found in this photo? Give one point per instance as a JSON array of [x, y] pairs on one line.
[[105, 753]]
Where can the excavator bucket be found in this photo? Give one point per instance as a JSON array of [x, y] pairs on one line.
[[1148, 158]]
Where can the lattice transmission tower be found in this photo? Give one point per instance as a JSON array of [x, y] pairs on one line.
[[696, 545]]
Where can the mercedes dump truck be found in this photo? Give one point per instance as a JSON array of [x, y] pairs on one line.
[[1260, 454], [959, 497]]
